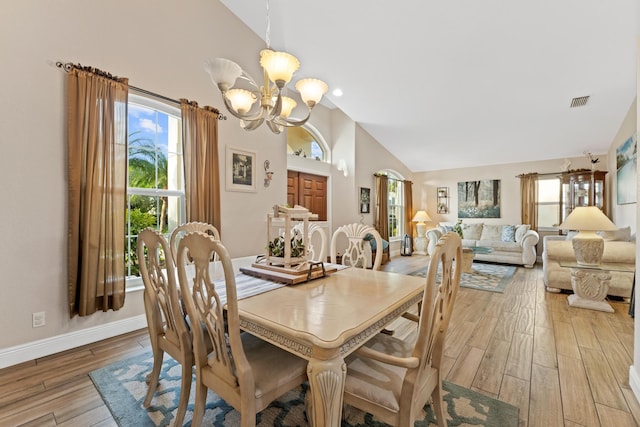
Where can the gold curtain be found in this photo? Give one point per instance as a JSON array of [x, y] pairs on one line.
[[201, 167], [97, 168], [382, 211], [529, 199], [408, 207]]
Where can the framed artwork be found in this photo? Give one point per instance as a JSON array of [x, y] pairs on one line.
[[443, 200], [479, 199], [365, 200], [240, 170], [626, 163]]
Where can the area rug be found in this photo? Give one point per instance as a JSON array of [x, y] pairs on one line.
[[486, 277], [122, 387]]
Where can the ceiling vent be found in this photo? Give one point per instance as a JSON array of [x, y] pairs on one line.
[[580, 101]]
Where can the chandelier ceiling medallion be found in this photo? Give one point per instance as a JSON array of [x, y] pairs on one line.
[[274, 107]]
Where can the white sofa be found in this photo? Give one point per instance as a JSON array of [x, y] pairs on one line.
[[619, 251], [509, 244]]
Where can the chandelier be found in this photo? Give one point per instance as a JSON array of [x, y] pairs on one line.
[[274, 107]]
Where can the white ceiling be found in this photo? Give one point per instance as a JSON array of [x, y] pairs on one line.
[[450, 84]]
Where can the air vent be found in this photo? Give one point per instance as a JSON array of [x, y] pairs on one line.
[[580, 101]]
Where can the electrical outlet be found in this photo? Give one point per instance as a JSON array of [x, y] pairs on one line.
[[38, 319]]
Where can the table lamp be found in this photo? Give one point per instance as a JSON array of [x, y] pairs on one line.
[[587, 245], [421, 241]]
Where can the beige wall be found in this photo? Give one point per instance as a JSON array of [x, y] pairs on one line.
[[371, 157]]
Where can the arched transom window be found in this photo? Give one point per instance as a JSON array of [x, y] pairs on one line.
[[302, 141]]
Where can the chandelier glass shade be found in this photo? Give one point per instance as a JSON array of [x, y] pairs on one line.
[[274, 107]]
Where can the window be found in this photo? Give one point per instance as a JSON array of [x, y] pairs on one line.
[[395, 206], [548, 202], [155, 176], [301, 141]]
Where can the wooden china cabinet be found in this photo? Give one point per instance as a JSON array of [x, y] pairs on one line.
[[582, 188]]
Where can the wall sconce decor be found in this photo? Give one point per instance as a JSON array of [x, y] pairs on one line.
[[268, 173], [342, 167]]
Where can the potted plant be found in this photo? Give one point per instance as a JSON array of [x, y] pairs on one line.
[[276, 246]]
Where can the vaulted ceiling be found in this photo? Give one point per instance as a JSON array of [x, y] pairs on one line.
[[466, 83]]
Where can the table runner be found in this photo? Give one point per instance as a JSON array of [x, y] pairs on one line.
[[248, 286]]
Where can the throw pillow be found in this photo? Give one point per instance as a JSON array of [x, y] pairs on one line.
[[509, 233], [521, 230], [491, 232], [472, 231], [620, 235]]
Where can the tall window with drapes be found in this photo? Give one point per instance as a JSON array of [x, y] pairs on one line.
[[529, 199], [394, 208], [200, 148], [97, 168]]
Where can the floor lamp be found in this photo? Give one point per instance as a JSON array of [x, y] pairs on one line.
[[420, 243]]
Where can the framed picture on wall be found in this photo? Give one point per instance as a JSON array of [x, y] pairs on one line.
[[365, 200], [626, 166], [479, 199], [240, 170]]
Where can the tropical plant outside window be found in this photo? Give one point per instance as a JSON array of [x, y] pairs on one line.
[[548, 202], [301, 142], [155, 186]]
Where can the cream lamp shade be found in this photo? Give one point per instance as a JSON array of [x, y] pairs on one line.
[[587, 245], [421, 216]]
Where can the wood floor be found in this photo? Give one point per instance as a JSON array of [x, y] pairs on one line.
[[561, 366]]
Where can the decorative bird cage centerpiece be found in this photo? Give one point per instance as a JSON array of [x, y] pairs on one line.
[[289, 247]]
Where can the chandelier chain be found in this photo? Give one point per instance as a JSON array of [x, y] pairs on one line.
[[267, 38]]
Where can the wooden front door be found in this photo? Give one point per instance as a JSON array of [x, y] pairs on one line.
[[308, 190]]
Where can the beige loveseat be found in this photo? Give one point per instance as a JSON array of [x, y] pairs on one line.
[[509, 244], [619, 251]]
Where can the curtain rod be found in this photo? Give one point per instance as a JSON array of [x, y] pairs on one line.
[[553, 173], [68, 65], [390, 177]]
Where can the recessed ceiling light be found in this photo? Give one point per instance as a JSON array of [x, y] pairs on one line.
[[337, 92]]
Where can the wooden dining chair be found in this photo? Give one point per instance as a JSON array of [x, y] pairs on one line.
[[245, 371], [168, 330], [356, 253], [188, 227], [393, 379], [317, 244]]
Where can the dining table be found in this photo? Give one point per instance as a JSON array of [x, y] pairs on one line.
[[323, 321]]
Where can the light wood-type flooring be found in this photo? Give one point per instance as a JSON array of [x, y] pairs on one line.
[[561, 366]]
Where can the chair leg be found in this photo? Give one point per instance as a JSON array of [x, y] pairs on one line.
[[185, 388], [438, 406], [248, 415], [198, 406], [154, 377]]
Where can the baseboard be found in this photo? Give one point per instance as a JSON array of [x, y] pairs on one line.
[[45, 347], [634, 382]]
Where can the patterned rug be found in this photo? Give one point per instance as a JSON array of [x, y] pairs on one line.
[[486, 277], [122, 386]]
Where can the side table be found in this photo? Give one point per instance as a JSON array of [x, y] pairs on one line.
[[590, 285], [590, 289], [468, 255], [467, 260]]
